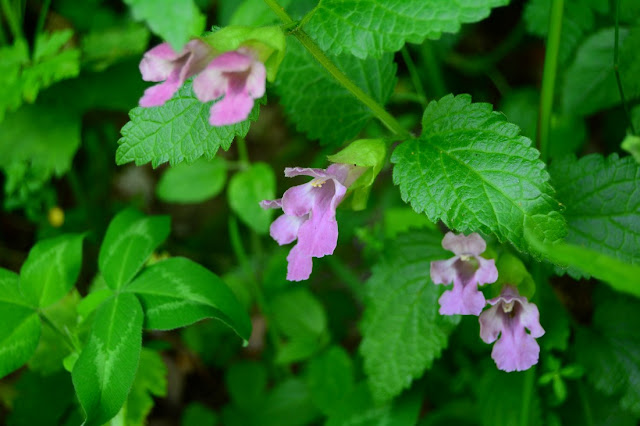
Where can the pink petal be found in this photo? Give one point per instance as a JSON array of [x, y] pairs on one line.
[[158, 63], [285, 228], [210, 84], [271, 204], [231, 110], [298, 200], [515, 351], [318, 236], [300, 265], [232, 62], [159, 94], [530, 318], [306, 171], [487, 272], [256, 81], [443, 271], [461, 300], [462, 245], [491, 324]]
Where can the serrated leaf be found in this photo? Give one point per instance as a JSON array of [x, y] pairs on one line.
[[246, 189], [51, 269], [371, 27], [107, 366], [177, 131], [610, 350], [602, 203], [174, 21], [402, 330], [128, 243], [13, 58], [151, 380], [590, 82], [471, 169], [192, 183], [321, 107], [177, 292]]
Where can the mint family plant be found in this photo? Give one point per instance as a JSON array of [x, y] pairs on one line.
[[458, 238]]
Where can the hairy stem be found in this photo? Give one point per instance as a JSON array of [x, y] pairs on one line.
[[616, 68], [549, 77], [381, 114]]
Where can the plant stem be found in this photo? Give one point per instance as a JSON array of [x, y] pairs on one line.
[[527, 391], [243, 259], [44, 11], [243, 153], [415, 77], [65, 336], [431, 65], [387, 119], [549, 77], [14, 25], [616, 68]]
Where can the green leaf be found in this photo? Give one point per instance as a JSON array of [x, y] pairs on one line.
[[128, 243], [330, 378], [402, 330], [602, 204], [255, 13], [105, 47], [192, 183], [247, 383], [197, 414], [177, 131], [48, 146], [610, 350], [51, 269], [107, 366], [151, 379], [578, 19], [590, 82], [19, 336], [174, 21], [321, 107], [631, 144], [13, 59], [371, 27], [471, 169], [506, 399], [177, 292], [42, 399], [246, 189]]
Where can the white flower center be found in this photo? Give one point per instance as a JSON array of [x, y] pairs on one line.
[[507, 307], [465, 257], [318, 182]]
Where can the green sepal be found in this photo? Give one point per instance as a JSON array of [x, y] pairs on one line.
[[514, 273], [369, 153], [268, 43], [631, 144]]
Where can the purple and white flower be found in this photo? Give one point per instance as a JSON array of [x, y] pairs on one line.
[[163, 64], [310, 215], [466, 270], [236, 75], [510, 315]]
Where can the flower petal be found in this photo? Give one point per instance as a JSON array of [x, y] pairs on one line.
[[515, 351], [285, 228], [461, 244], [318, 236], [461, 300], [232, 62], [306, 171], [271, 204], [442, 271], [210, 84], [160, 93], [300, 265], [487, 272], [158, 63], [231, 110], [298, 200], [491, 323], [256, 81], [530, 318]]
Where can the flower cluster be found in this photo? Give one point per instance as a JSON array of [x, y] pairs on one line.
[[236, 76], [310, 215], [510, 314]]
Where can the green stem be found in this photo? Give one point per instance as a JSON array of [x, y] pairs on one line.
[[44, 11], [584, 401], [65, 336], [243, 153], [549, 77], [431, 65], [527, 392], [415, 76], [387, 119], [616, 67], [14, 25], [243, 259]]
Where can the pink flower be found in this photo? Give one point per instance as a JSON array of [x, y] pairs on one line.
[[508, 317], [466, 270], [236, 75], [310, 215], [162, 63]]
